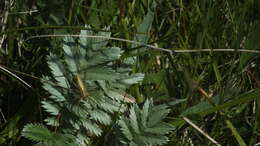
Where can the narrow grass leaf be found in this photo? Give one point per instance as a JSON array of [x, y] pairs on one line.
[[244, 98], [235, 133]]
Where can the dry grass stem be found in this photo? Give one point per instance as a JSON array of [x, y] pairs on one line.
[[200, 130], [146, 45]]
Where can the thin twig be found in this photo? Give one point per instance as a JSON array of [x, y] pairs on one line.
[[2, 114], [31, 76], [15, 76], [25, 12], [216, 50], [101, 37], [4, 22], [171, 51], [200, 130]]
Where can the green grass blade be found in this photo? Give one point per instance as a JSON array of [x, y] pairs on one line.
[[246, 97], [235, 133], [216, 71]]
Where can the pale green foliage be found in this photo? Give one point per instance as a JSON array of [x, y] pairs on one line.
[[88, 88], [145, 126], [41, 134], [36, 132]]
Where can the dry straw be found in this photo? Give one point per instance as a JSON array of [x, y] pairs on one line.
[[146, 45]]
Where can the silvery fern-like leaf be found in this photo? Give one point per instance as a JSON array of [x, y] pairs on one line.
[[55, 67], [111, 53], [52, 121], [50, 108], [101, 117], [112, 106], [133, 144], [154, 139], [137, 128], [123, 123], [89, 87], [101, 73], [106, 35], [133, 79], [101, 42], [103, 56], [69, 53], [58, 72], [94, 43], [55, 94], [75, 124], [37, 132], [82, 139], [92, 127], [134, 120], [156, 114], [79, 111], [86, 41], [145, 113], [115, 95], [159, 128]]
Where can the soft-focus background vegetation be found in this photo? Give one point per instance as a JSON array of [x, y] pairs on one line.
[[218, 91]]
